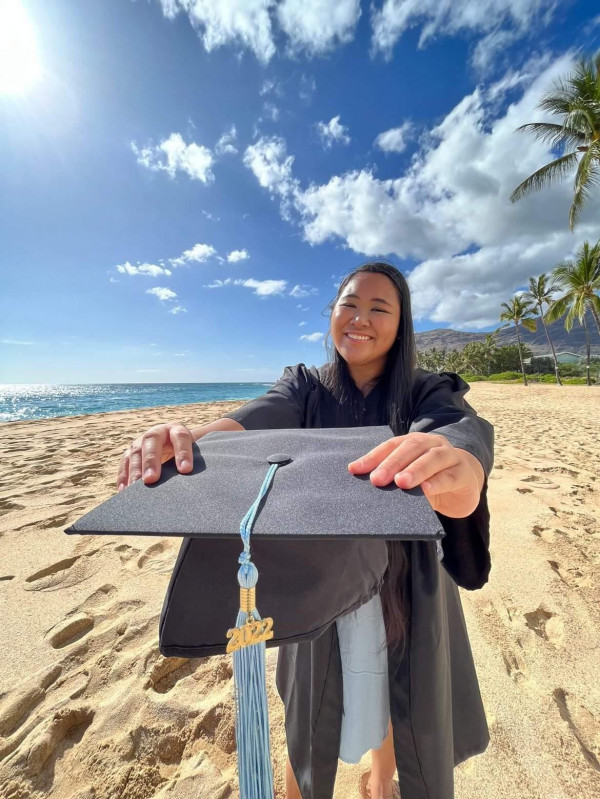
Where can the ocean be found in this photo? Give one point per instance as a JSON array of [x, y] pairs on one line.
[[22, 402]]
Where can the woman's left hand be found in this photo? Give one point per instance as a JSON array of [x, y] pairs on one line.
[[451, 478]]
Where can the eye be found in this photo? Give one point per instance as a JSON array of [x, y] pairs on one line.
[[349, 305]]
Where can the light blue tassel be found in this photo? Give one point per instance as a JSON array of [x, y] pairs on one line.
[[255, 771]]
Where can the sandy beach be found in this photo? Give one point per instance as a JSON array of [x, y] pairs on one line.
[[89, 708]]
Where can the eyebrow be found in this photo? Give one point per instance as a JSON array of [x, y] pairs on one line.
[[373, 299]]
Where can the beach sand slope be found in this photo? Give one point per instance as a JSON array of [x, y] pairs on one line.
[[89, 709]]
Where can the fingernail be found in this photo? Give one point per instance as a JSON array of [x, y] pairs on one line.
[[148, 473], [184, 464]]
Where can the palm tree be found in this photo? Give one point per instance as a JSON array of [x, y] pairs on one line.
[[580, 280], [540, 294], [576, 101], [454, 361], [519, 311], [490, 348]]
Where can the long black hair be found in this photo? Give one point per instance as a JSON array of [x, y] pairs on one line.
[[396, 383]]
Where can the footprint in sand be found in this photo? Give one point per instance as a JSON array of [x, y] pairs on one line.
[[38, 750], [18, 709], [126, 553], [159, 557], [582, 724], [557, 470], [6, 505], [546, 624], [69, 630], [515, 664], [539, 482], [165, 673], [572, 577], [99, 598], [65, 573]]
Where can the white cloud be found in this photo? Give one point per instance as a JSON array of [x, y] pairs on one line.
[[218, 284], [313, 26], [303, 291], [450, 209], [271, 111], [271, 86], [308, 87], [263, 288], [238, 255], [198, 254], [177, 309], [244, 23], [395, 140], [488, 50], [272, 167], [162, 293], [142, 269], [318, 26], [312, 337], [173, 155], [447, 19], [332, 131], [301, 324], [225, 144]]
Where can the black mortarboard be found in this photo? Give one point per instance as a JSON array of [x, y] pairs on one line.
[[318, 537]]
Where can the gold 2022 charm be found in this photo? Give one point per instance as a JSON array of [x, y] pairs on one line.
[[252, 632]]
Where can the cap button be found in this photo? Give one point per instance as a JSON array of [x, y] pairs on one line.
[[279, 458]]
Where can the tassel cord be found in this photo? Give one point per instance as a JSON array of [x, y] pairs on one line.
[[252, 713]]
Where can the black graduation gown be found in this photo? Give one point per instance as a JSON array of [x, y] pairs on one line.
[[436, 710]]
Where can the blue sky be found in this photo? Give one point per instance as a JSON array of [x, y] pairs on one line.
[[184, 182]]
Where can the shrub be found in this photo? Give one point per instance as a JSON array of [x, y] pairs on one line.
[[470, 378], [547, 378], [507, 376]]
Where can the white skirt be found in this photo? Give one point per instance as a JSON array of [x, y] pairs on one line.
[[363, 651]]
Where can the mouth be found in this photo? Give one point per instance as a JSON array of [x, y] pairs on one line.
[[361, 340]]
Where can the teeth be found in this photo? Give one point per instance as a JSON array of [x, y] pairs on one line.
[[358, 338]]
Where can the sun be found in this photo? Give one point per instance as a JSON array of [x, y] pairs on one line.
[[19, 63]]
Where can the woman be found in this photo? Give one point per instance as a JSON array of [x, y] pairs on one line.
[[440, 444]]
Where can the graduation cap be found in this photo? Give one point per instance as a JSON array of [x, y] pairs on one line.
[[318, 534]]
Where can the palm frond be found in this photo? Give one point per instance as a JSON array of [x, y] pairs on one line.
[[549, 173], [530, 324], [557, 309], [586, 178], [570, 319], [555, 135]]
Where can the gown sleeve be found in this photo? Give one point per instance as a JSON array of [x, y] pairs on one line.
[[439, 407], [283, 406]]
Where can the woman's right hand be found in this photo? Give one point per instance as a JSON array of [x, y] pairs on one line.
[[144, 456]]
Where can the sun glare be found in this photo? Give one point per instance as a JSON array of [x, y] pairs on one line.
[[19, 64]]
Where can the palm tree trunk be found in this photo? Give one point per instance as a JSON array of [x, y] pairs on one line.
[[551, 345], [520, 354], [595, 316], [587, 348]]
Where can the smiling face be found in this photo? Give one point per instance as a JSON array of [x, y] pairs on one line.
[[364, 324]]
